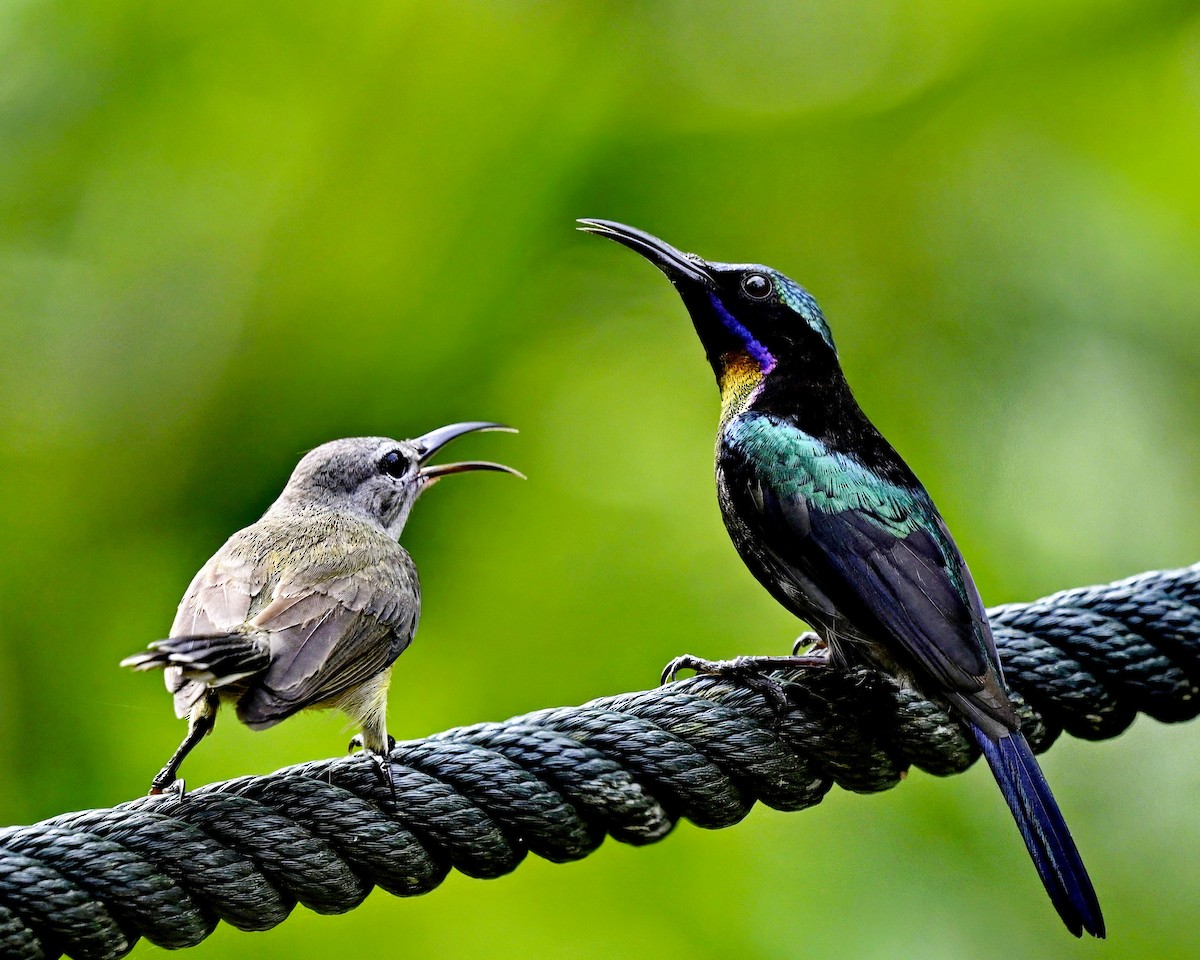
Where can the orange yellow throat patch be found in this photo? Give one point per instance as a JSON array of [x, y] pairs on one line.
[[741, 377]]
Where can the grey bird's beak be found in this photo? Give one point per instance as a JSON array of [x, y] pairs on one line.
[[430, 443], [679, 267]]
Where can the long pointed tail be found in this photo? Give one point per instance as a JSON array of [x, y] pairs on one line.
[[1044, 830]]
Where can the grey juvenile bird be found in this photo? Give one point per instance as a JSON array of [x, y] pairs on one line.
[[309, 606]]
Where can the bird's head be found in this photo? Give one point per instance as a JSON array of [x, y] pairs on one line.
[[376, 478], [752, 320]]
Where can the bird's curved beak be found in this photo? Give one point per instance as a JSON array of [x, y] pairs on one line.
[[679, 267], [430, 443]]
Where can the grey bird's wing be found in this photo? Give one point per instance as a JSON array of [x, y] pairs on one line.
[[330, 630]]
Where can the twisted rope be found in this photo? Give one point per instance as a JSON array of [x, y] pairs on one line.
[[556, 782]]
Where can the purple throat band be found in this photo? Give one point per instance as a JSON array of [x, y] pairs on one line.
[[761, 355]]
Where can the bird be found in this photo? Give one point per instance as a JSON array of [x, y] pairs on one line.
[[310, 605], [839, 530]]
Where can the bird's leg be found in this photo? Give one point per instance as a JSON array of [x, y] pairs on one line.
[[754, 672], [200, 725]]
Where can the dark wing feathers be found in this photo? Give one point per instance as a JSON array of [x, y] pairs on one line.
[[216, 660], [906, 585], [877, 552], [879, 580]]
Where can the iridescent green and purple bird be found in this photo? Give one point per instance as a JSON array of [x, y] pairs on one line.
[[836, 526]]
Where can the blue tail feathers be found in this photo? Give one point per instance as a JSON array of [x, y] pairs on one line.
[[1044, 830]]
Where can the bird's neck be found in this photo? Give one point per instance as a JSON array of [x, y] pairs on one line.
[[740, 378], [814, 399], [310, 503], [805, 393]]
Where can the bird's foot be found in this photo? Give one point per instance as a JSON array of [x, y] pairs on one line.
[[383, 764], [754, 672], [381, 759], [745, 667], [356, 743], [167, 784], [808, 643], [740, 670]]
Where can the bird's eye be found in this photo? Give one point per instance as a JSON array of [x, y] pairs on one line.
[[757, 286], [393, 464]]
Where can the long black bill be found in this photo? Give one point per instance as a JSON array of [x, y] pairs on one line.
[[430, 443], [677, 265]]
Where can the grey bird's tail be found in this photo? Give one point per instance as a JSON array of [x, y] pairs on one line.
[[215, 660], [1044, 831]]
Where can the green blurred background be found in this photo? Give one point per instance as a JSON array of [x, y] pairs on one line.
[[229, 232]]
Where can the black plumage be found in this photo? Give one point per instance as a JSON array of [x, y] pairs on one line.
[[831, 520]]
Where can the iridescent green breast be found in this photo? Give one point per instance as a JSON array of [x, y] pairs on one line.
[[798, 465]]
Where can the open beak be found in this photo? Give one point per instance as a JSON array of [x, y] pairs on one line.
[[430, 443], [677, 265]]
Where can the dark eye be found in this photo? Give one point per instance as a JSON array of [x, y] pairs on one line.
[[757, 286], [393, 464]]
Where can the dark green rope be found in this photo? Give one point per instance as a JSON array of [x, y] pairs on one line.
[[557, 782]]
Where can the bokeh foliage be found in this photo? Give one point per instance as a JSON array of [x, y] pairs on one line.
[[231, 231]]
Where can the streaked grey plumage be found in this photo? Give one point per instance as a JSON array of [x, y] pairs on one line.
[[311, 605]]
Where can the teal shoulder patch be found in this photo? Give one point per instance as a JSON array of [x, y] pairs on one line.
[[796, 464]]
